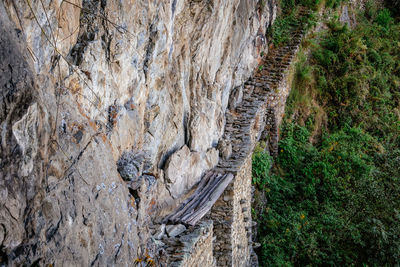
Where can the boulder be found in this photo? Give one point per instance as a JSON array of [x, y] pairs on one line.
[[184, 169]]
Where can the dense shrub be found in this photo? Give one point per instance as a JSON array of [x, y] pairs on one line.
[[289, 5], [280, 32], [335, 200], [329, 204]]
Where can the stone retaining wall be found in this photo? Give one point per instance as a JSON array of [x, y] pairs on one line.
[[232, 218], [241, 225], [192, 249]]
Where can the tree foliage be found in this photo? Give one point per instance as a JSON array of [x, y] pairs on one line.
[[335, 200]]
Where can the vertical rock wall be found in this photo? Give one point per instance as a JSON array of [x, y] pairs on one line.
[[84, 81]]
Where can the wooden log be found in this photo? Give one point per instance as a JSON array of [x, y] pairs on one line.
[[195, 202], [194, 218], [200, 191], [189, 206], [202, 200], [183, 206], [214, 189]]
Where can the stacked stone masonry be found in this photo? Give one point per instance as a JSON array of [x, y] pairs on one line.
[[194, 248], [256, 115]]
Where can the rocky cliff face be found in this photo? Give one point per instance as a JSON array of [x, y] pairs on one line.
[[110, 113]]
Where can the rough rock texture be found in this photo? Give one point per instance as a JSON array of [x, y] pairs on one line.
[[184, 169], [193, 248], [83, 82], [21, 131]]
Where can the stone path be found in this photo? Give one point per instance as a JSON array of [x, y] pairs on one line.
[[252, 117]]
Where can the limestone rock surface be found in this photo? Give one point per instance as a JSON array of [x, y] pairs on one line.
[[85, 81], [185, 168]]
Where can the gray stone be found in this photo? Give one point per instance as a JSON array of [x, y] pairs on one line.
[[25, 133], [160, 232], [225, 148], [130, 165], [256, 245], [159, 243], [184, 169], [175, 230], [236, 97], [227, 198]]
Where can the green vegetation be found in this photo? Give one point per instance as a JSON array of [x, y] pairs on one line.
[[290, 5], [333, 194], [280, 32]]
